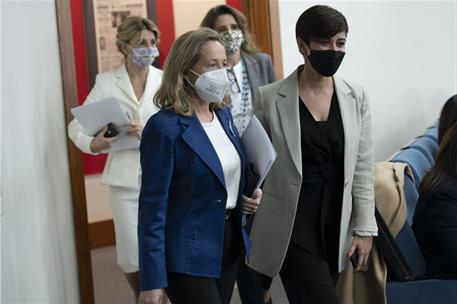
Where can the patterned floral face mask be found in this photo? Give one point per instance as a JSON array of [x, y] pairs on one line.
[[144, 57], [231, 40]]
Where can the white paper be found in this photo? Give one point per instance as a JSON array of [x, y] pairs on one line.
[[94, 116], [259, 149]]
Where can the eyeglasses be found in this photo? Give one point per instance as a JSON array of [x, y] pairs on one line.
[[234, 86]]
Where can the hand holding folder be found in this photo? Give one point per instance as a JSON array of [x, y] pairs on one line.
[[260, 155], [94, 116], [252, 179]]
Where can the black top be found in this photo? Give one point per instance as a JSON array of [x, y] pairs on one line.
[[435, 227], [318, 214]]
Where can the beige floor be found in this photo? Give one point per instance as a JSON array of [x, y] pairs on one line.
[[111, 287]]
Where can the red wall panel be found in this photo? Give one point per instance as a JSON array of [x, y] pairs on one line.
[[166, 24], [92, 164], [235, 3]]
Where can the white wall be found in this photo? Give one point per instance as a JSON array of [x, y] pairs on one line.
[[38, 248], [403, 52], [188, 14]]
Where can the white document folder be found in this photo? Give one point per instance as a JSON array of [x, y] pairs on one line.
[[259, 149], [94, 116]]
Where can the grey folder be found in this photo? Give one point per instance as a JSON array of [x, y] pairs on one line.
[[260, 153]]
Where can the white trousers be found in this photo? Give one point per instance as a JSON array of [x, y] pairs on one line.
[[124, 205]]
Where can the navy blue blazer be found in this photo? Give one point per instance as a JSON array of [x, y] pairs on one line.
[[182, 198], [435, 227]]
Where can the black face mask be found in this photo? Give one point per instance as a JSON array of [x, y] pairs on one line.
[[326, 62]]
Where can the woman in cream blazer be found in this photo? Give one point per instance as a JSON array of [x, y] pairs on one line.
[[133, 85], [317, 207]]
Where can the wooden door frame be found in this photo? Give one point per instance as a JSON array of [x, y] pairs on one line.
[[264, 19], [75, 159]]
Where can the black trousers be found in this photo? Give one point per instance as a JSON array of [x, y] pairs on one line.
[[251, 284], [307, 279], [186, 289]]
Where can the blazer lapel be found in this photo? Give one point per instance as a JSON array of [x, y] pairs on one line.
[[348, 109], [287, 105], [196, 138], [252, 68], [123, 82], [152, 82], [230, 131]]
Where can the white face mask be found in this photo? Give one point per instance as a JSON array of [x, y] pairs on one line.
[[212, 86]]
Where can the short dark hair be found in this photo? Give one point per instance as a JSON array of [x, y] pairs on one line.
[[210, 19], [448, 117], [320, 21]]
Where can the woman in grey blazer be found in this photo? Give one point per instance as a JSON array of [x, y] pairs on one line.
[[247, 69], [318, 205]]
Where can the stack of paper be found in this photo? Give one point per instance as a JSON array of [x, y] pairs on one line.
[[94, 116]]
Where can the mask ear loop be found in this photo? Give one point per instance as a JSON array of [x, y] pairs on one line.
[[195, 73], [187, 81], [131, 48]]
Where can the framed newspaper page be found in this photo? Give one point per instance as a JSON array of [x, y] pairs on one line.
[[108, 15]]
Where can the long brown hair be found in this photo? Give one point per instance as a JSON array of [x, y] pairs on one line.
[[210, 19], [446, 162], [174, 92], [448, 117]]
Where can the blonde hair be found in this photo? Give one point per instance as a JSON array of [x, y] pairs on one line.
[[133, 25], [175, 92]]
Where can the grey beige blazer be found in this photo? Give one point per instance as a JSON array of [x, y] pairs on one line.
[[276, 107]]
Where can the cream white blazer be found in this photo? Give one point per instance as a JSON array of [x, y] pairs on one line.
[[122, 168], [276, 107]]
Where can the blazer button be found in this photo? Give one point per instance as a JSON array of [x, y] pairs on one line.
[[218, 201]]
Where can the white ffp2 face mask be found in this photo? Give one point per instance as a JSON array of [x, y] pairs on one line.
[[212, 86]]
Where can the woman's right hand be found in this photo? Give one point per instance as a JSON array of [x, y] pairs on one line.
[[100, 142], [154, 296]]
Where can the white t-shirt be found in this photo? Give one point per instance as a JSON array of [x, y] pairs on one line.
[[229, 158]]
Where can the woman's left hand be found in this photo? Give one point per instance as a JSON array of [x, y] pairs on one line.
[[134, 128], [250, 204], [361, 244]]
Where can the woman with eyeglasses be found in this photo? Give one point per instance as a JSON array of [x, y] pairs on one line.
[[191, 204], [247, 69]]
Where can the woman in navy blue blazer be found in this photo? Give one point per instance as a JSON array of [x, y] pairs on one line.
[[191, 203], [435, 218]]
